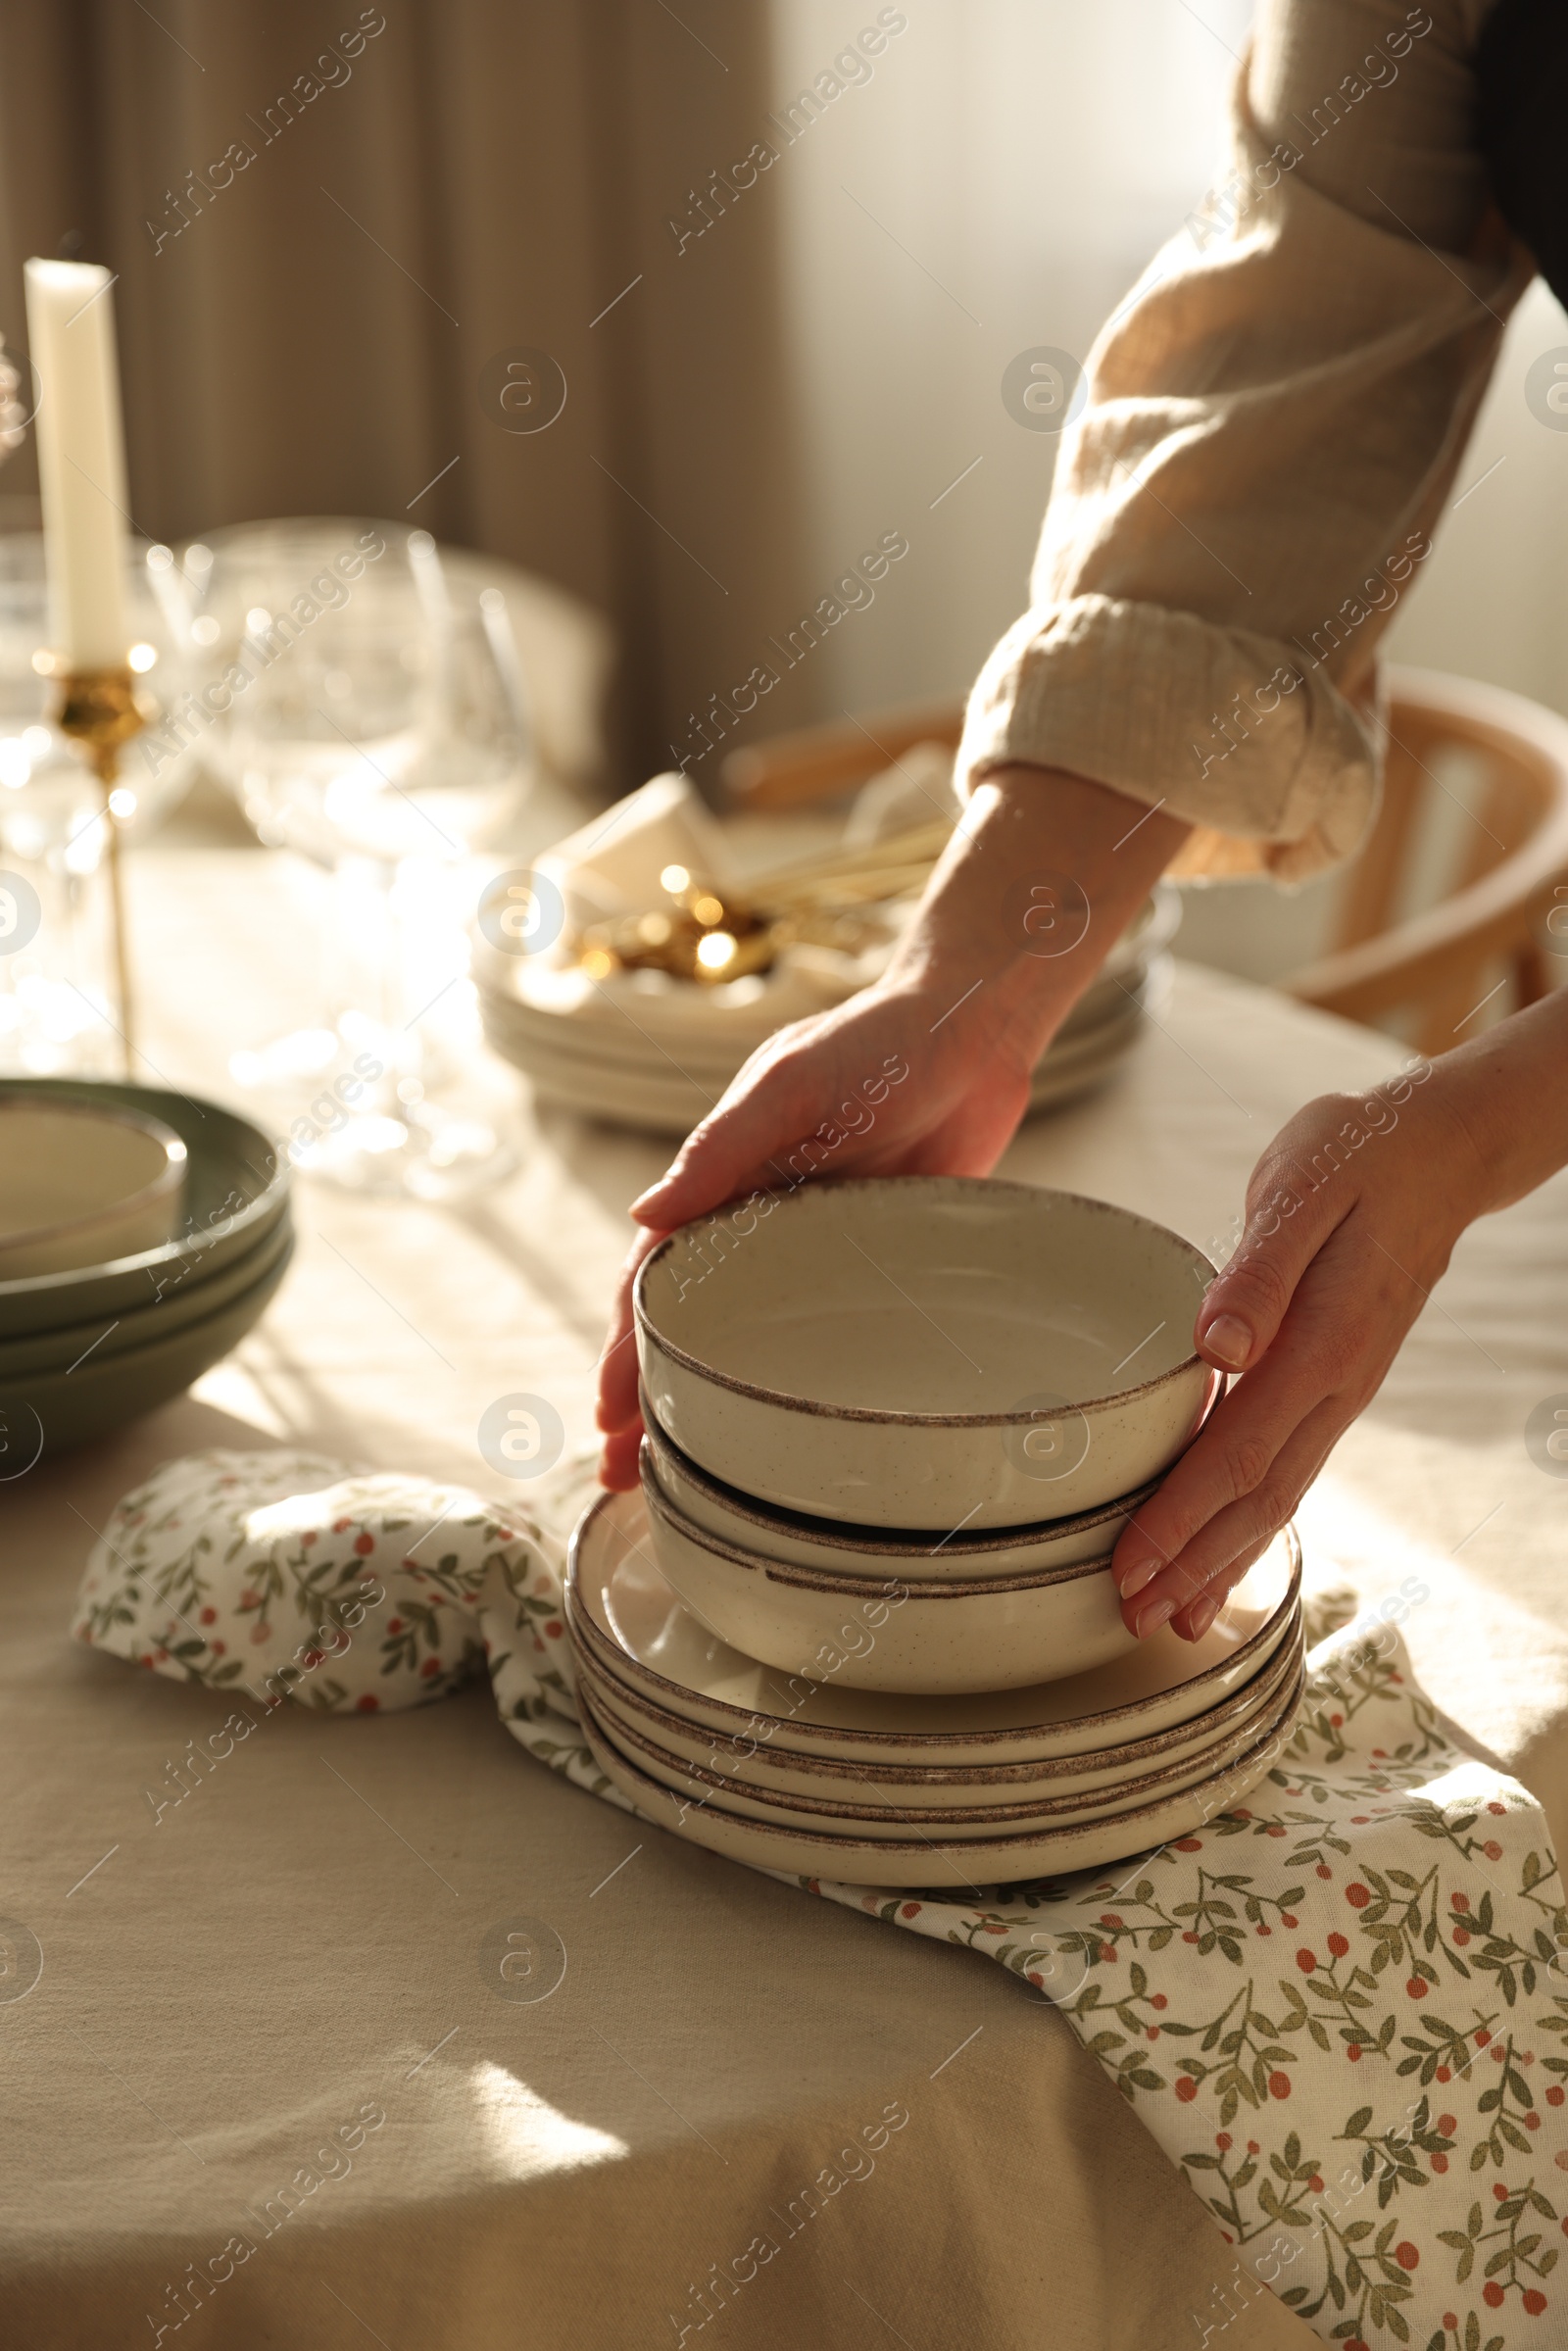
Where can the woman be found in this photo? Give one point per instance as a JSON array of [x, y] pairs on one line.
[[1274, 425]]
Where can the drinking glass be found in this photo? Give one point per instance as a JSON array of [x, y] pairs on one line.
[[372, 719]]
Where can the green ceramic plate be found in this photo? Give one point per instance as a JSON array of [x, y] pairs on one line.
[[236, 1193], [52, 1411], [196, 1299]]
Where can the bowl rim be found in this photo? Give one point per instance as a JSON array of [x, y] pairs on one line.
[[169, 1177], [266, 1202], [890, 1740], [857, 1588], [844, 1534], [781, 1400], [1252, 1697], [1140, 1787]]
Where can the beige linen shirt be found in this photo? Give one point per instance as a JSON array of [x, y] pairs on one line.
[[1273, 421]]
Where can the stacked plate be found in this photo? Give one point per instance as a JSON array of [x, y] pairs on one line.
[[652, 1051], [893, 1432], [142, 1232], [802, 1772]]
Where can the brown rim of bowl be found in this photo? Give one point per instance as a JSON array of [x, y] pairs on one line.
[[127, 1204], [847, 1536], [913, 1420], [866, 1588], [1137, 1787], [927, 1844], [1254, 1695], [882, 1738]]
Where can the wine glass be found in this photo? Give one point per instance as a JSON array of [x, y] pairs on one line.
[[374, 723]]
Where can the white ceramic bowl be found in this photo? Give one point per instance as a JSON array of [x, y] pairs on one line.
[[884, 1632], [863, 1810], [757, 1762], [925, 1350], [619, 1606], [925, 1556], [947, 1867], [81, 1183]]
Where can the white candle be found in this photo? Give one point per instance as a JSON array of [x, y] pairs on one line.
[[81, 460]]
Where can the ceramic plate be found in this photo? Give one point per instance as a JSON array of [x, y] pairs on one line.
[[754, 1761], [616, 1038], [842, 1813], [673, 1105], [549, 998], [623, 1610], [948, 1867], [667, 1086]]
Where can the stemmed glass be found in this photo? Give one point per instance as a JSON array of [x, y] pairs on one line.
[[376, 723]]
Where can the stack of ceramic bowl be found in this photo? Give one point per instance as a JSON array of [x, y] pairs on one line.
[[859, 1621], [142, 1233]]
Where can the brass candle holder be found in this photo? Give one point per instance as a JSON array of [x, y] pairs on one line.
[[101, 709]]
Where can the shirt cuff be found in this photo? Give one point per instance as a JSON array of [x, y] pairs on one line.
[[1252, 746]]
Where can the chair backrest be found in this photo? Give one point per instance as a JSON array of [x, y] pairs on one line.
[[1432, 965], [785, 772]]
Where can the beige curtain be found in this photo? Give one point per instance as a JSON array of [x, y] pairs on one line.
[[433, 183]]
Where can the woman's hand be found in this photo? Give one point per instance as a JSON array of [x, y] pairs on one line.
[[926, 1073], [1352, 1213]]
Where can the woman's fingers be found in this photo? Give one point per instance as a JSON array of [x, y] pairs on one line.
[[617, 1364], [761, 1114], [1190, 1589], [1192, 1622], [1286, 1226], [1266, 1441], [1231, 1458], [618, 1462], [833, 1075]]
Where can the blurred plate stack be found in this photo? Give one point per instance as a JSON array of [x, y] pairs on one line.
[[650, 1049]]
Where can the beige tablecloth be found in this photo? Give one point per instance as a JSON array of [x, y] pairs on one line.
[[300, 1948]]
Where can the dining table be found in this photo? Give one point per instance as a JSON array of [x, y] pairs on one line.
[[303, 1950]]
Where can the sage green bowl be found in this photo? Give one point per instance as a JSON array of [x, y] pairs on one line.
[[195, 1299], [50, 1413], [236, 1192]]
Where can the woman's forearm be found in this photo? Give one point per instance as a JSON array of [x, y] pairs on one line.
[[1042, 877], [1507, 1094]]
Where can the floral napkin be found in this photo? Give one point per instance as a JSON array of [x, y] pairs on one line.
[[1341, 2008]]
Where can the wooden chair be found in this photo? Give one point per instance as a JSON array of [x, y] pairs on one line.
[[1429, 971], [1419, 972], [818, 763]]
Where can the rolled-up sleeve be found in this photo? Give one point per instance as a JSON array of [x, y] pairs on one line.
[[1273, 422]]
